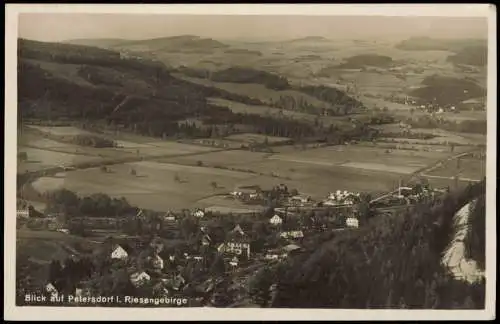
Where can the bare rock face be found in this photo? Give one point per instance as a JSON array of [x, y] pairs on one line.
[[454, 258]]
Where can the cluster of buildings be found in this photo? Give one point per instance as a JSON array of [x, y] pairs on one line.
[[339, 198]]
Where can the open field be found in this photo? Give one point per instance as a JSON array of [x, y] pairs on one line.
[[281, 113], [224, 204], [226, 158], [48, 245], [42, 159], [256, 138], [441, 136], [154, 186], [470, 168], [60, 130], [45, 153]]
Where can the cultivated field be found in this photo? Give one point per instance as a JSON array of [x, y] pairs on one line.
[[256, 138], [44, 153], [39, 159], [155, 185], [467, 167]]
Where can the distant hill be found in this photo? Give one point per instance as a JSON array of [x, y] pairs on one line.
[[471, 55], [243, 51], [436, 44], [308, 39], [97, 86], [176, 43], [101, 42], [358, 62], [247, 75], [447, 90]]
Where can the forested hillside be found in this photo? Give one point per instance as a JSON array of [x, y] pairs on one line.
[[393, 262], [94, 85]]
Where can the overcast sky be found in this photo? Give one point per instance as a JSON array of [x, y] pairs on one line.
[[60, 26]]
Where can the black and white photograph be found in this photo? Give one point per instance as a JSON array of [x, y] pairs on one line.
[[231, 160]]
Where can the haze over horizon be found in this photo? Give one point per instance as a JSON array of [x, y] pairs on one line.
[[59, 27]]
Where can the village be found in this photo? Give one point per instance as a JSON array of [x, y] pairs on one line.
[[213, 254]]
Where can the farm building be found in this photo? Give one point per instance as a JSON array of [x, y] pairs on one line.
[[299, 200], [246, 191]]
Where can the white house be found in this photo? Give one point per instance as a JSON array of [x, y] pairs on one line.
[[51, 289], [272, 256], [292, 234], [198, 258], [199, 213], [23, 213], [139, 278], [300, 199], [352, 222], [157, 262], [63, 230], [276, 220], [119, 253]]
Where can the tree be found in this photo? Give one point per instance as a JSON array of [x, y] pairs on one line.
[[104, 169], [133, 172], [199, 163], [214, 185], [259, 286], [218, 267]]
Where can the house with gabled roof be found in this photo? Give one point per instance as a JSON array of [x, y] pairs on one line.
[[51, 289], [139, 278], [237, 242], [276, 220], [119, 253]]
